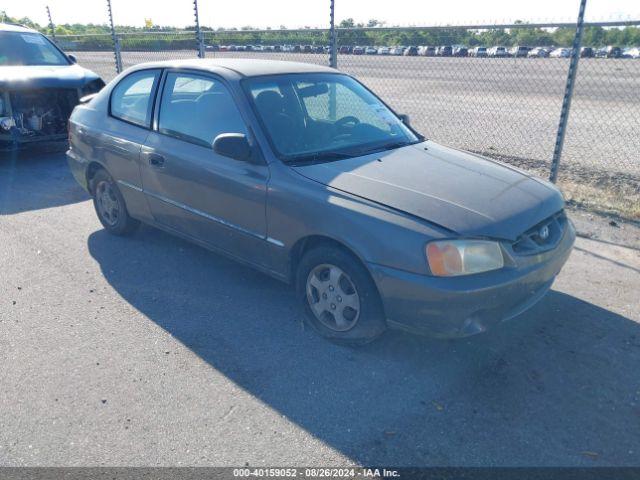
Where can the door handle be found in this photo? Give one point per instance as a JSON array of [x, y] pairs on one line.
[[156, 160]]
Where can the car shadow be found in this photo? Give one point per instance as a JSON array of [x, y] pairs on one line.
[[36, 179], [557, 386]]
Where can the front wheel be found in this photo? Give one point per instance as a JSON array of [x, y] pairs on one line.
[[340, 299], [110, 206]]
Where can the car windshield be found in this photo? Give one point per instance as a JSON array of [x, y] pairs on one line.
[[24, 48], [324, 117]]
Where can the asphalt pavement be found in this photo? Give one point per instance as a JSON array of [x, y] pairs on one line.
[[150, 351]]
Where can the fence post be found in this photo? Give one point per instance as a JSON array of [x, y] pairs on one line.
[[52, 27], [115, 39], [199, 37], [568, 93], [118, 53], [333, 38]]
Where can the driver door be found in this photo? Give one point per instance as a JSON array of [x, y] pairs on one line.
[[190, 188]]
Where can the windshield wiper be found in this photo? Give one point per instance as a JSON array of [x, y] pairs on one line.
[[332, 156], [387, 146], [318, 157]]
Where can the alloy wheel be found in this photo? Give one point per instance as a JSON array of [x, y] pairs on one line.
[[333, 297], [107, 202]]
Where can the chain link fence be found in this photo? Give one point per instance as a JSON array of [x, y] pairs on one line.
[[153, 46], [500, 100], [95, 52], [600, 165], [505, 103]]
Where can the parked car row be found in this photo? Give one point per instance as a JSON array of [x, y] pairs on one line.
[[498, 51], [518, 51], [269, 48]]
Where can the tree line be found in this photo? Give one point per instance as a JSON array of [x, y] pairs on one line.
[[350, 33]]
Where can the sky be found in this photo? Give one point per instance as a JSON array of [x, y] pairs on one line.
[[315, 13]]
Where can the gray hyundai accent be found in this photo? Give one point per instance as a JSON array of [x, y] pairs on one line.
[[303, 173]]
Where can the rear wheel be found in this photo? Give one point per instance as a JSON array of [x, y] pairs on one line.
[[341, 301], [110, 206]]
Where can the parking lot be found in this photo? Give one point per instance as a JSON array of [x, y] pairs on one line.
[[151, 351]]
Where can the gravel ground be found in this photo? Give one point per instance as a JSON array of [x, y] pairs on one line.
[[507, 107], [151, 351]]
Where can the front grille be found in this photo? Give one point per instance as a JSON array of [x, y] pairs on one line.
[[543, 236]]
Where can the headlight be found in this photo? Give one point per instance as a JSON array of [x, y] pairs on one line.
[[6, 123], [94, 86], [450, 258]]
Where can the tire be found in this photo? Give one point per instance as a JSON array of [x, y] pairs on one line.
[[332, 280], [112, 211]]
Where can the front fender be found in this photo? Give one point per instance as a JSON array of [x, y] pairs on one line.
[[298, 207]]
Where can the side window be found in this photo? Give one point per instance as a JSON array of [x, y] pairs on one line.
[[132, 98], [197, 109]]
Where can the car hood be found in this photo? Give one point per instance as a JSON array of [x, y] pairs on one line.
[[36, 76], [462, 192]]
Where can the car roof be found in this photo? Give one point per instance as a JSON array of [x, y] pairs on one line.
[[242, 66], [12, 27]]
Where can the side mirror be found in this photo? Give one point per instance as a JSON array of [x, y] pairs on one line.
[[72, 58], [232, 145], [404, 118]]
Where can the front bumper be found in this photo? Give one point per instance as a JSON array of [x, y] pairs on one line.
[[463, 306]]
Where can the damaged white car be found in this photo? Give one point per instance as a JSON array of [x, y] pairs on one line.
[[39, 87]]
